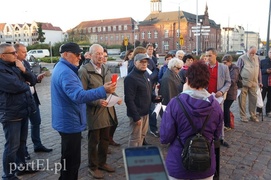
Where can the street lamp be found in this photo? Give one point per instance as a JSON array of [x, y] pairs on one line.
[[268, 30], [197, 19]]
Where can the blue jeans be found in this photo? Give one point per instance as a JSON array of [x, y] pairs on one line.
[[14, 152]]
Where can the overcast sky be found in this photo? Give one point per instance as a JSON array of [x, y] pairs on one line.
[[252, 15]]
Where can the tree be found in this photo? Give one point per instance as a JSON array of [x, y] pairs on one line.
[[41, 37]]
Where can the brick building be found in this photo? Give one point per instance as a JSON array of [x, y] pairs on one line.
[[165, 29]]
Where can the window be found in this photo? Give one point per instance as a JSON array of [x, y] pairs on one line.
[[166, 33], [178, 33], [89, 30], [117, 37], [99, 29], [114, 28], [109, 28], [111, 37], [119, 27], [143, 35], [155, 34], [94, 29], [104, 29], [149, 35], [125, 27], [166, 45]]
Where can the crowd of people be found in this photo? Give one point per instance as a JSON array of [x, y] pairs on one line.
[[79, 92]]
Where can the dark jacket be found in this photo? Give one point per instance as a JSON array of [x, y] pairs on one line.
[[16, 100], [138, 94], [170, 86], [35, 95], [265, 64], [161, 72], [234, 74], [198, 105], [151, 66]]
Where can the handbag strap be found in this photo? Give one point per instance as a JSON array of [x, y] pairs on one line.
[[190, 120]]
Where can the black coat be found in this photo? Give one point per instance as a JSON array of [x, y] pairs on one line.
[[138, 94]]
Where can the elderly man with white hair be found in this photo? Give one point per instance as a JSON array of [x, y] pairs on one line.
[[180, 54], [170, 84]]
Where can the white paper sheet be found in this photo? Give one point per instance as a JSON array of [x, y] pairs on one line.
[[157, 109], [164, 107], [219, 100], [238, 93], [124, 69], [112, 100], [149, 71]]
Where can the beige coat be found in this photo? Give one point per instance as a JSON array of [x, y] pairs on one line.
[[97, 117]]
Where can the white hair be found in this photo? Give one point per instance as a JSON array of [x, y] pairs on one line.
[[175, 62], [179, 52]]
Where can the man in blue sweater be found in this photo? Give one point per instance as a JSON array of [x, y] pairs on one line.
[[69, 108]]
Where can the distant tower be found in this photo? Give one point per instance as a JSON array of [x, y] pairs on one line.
[[156, 6]]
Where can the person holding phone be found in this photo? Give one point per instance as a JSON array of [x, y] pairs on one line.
[[100, 118]]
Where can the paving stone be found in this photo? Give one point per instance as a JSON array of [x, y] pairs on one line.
[[248, 157]]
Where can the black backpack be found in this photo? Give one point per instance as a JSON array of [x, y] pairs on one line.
[[196, 154]]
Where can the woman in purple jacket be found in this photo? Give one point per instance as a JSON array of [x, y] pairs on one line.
[[198, 103]]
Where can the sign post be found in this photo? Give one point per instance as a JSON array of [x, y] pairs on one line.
[[126, 42], [181, 41]]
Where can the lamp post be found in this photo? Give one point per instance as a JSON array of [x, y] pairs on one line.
[[247, 39], [268, 30], [179, 27], [197, 19]]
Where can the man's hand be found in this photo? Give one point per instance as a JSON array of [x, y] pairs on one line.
[[119, 102], [268, 71], [40, 77], [20, 65], [103, 103], [138, 123], [218, 94], [110, 87]]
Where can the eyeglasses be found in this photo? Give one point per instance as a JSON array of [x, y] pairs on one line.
[[13, 53], [105, 56], [178, 67], [210, 55]]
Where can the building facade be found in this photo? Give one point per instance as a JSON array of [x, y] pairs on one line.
[[236, 38], [28, 33]]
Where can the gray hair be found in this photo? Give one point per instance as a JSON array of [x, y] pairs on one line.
[[18, 45], [3, 47], [93, 48], [174, 62], [179, 52]]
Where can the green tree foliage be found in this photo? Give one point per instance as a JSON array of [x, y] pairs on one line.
[[41, 37]]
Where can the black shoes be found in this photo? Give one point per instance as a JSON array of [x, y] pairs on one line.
[[42, 149], [224, 143], [145, 143], [22, 170], [155, 134]]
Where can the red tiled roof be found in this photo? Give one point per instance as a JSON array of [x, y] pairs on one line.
[[106, 22], [2, 25]]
